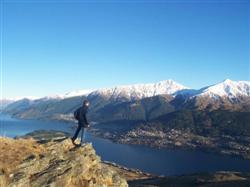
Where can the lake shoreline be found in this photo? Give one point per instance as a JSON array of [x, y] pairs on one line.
[[150, 142], [174, 144], [225, 146]]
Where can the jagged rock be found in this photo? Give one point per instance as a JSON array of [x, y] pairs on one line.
[[60, 164]]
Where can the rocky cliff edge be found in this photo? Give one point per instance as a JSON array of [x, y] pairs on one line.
[[26, 163]]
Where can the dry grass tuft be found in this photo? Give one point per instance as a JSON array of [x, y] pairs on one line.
[[15, 151]]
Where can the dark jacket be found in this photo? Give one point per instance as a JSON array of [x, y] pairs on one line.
[[82, 116]]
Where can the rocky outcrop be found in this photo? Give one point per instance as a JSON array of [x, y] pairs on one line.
[[56, 163]]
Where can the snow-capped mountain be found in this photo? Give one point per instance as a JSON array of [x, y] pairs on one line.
[[21, 97], [77, 93], [66, 95], [56, 97], [139, 91], [226, 95], [5, 102], [227, 88], [137, 102]]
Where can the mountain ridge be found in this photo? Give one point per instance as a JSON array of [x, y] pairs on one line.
[[138, 102], [139, 91]]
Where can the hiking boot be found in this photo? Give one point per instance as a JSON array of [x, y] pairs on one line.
[[73, 141]]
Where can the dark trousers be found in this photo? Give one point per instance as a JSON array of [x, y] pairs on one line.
[[80, 127]]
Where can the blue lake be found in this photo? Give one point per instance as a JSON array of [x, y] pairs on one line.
[[158, 161]]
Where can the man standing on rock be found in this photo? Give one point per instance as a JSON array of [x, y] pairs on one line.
[[80, 116]]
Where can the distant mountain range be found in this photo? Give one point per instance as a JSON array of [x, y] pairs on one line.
[[135, 102]]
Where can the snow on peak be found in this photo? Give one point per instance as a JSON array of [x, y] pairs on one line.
[[67, 95], [228, 81], [21, 97], [138, 91], [50, 97], [227, 88], [77, 93]]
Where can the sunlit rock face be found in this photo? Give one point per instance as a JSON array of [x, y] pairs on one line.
[[56, 163]]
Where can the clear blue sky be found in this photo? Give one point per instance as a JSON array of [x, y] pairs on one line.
[[56, 46]]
